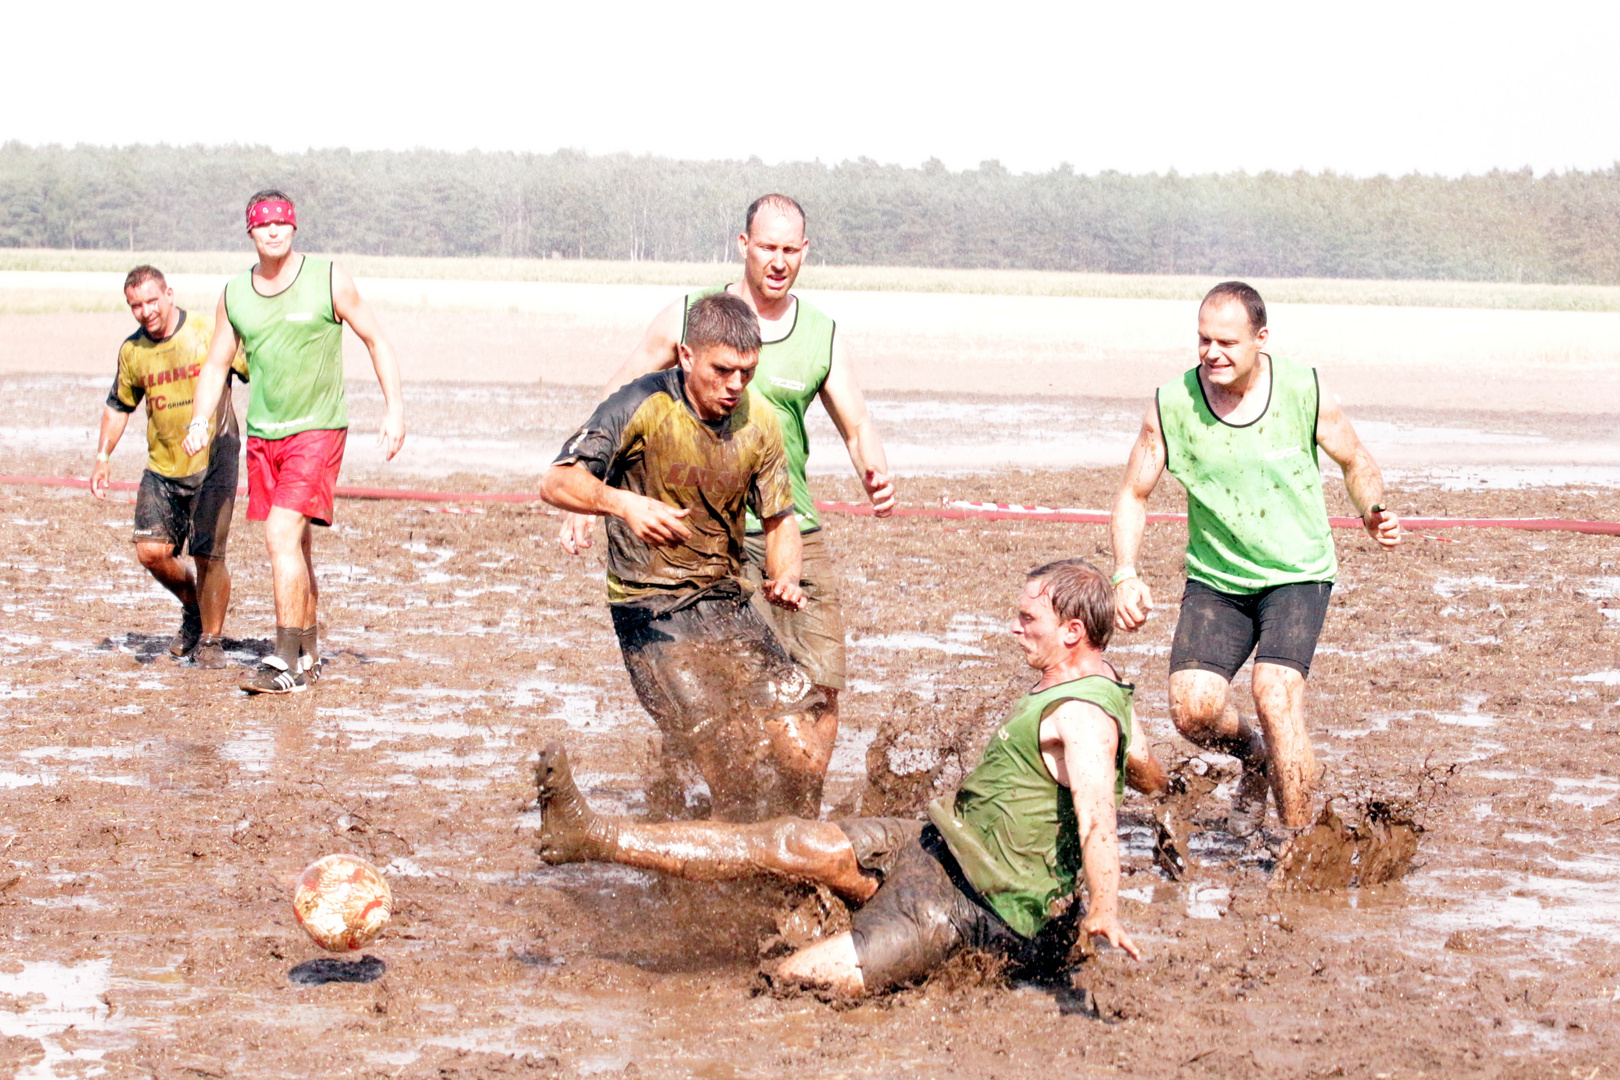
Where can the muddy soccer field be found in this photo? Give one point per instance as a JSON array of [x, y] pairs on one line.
[[154, 818]]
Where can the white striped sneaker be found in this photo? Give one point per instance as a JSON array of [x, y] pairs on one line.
[[274, 678]]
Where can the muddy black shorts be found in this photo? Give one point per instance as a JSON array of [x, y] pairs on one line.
[[924, 910], [711, 673], [194, 513], [1217, 631]]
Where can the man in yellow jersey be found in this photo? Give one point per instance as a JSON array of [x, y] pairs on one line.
[[674, 460], [1241, 431], [991, 867], [185, 499], [287, 315], [801, 359]]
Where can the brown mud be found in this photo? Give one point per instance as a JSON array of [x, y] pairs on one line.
[[154, 819]]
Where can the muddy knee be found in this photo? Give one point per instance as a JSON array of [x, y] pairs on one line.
[[1197, 703]]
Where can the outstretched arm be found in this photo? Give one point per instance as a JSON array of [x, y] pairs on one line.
[[1090, 742], [1132, 597], [347, 306], [845, 404], [211, 379], [655, 351], [1362, 478]]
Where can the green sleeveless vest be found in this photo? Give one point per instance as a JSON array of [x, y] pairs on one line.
[[1011, 826], [789, 376], [1255, 513], [294, 347]]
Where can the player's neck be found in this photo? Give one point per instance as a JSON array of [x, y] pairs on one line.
[[273, 269], [1241, 399], [1081, 664], [172, 327], [768, 311]]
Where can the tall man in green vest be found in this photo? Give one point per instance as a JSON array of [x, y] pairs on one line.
[[287, 315], [991, 866], [802, 359], [1241, 432]]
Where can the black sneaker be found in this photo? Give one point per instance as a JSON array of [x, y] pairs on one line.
[[185, 642], [274, 678], [312, 668]]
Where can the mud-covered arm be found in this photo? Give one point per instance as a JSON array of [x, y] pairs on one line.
[[1132, 597], [211, 379], [1090, 745], [846, 406], [576, 481], [1362, 478], [784, 558]]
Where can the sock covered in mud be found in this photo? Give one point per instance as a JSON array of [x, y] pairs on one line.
[[308, 643], [287, 639]]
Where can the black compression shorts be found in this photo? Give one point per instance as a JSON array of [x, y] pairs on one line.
[[1217, 631]]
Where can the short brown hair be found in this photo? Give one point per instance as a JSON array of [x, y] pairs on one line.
[[142, 274], [1245, 294], [1078, 590], [722, 319], [782, 204]]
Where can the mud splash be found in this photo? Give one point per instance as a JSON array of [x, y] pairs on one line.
[[1332, 855]]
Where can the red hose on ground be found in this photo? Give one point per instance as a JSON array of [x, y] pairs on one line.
[[958, 511]]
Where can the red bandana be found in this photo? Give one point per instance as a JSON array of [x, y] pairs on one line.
[[273, 211]]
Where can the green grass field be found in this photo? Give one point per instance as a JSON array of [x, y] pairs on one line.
[[1444, 294]]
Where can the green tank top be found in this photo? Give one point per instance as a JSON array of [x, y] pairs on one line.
[[1255, 513], [294, 347], [1011, 826], [790, 374]]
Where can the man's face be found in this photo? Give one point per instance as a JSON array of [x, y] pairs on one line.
[[151, 304], [772, 252], [273, 241], [1044, 638], [1228, 348], [717, 376]]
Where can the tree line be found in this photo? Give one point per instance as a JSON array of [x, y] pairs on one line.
[[1501, 226]]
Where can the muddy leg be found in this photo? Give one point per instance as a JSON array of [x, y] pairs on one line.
[[1204, 714], [801, 747], [1143, 770], [813, 851], [1279, 695]]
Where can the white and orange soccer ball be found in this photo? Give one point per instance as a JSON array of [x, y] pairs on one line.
[[342, 902]]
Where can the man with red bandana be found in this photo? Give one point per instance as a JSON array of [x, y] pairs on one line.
[[287, 315]]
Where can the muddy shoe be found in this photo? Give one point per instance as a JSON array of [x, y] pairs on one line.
[[1248, 811], [569, 831], [185, 642], [312, 668], [210, 653], [274, 678]]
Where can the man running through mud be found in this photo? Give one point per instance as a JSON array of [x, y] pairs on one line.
[[674, 459], [1241, 432], [287, 314], [801, 359], [990, 866], [185, 500]]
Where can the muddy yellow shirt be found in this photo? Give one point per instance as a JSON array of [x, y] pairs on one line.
[[646, 439], [165, 374]]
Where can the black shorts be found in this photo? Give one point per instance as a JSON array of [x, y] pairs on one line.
[[1217, 631], [194, 513], [923, 911], [710, 672]]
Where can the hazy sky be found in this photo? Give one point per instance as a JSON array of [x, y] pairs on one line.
[[1365, 88]]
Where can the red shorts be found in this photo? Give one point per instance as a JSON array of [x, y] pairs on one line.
[[296, 473]]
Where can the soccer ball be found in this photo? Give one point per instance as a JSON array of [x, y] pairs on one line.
[[342, 902]]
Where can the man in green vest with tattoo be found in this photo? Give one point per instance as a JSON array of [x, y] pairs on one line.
[[1241, 432], [801, 359], [287, 314], [993, 867]]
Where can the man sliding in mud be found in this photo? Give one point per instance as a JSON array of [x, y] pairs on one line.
[[674, 459], [1241, 431], [990, 868]]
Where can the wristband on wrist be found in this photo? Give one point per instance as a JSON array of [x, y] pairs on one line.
[[103, 457], [1124, 573]]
